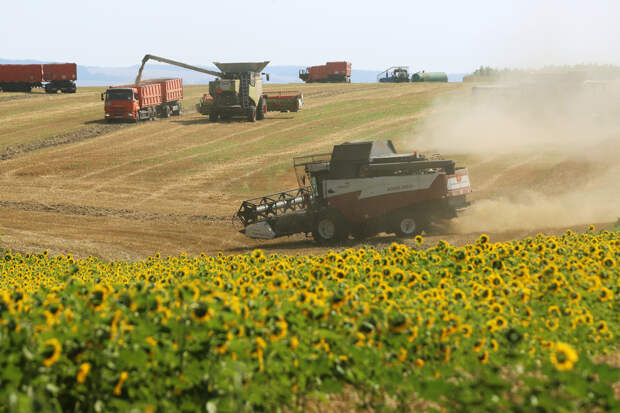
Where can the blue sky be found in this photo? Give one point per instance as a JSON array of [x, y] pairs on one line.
[[452, 36]]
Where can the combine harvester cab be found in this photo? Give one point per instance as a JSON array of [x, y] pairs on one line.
[[360, 189]]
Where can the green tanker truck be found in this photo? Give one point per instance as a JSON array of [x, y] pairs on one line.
[[429, 77]]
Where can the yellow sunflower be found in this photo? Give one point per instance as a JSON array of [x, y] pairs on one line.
[[83, 372], [51, 352], [564, 356]]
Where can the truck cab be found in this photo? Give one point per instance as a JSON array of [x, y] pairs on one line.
[[121, 103]]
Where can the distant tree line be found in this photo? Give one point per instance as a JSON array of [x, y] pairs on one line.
[[589, 71]]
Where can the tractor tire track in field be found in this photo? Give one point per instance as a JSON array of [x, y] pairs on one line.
[[91, 211], [81, 134], [20, 97]]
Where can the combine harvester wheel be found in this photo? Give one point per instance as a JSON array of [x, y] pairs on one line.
[[261, 109], [252, 114], [330, 226]]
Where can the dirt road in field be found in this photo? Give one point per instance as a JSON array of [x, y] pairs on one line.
[[172, 186]]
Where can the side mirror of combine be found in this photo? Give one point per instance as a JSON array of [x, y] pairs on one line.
[[267, 77]]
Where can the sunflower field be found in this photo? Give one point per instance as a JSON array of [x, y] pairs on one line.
[[526, 325]]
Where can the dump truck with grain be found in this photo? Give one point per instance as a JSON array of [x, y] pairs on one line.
[[360, 189], [331, 72], [236, 91], [148, 99]]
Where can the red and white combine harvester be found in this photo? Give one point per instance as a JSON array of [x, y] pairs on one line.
[[360, 189]]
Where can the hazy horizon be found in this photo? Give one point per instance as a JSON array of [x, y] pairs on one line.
[[454, 37]]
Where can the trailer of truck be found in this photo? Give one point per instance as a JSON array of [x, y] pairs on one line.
[[150, 99], [331, 72], [360, 189], [53, 77]]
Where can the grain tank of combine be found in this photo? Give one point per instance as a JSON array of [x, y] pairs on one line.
[[360, 189]]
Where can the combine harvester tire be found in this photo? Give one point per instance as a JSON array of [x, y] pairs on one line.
[[261, 109], [330, 227]]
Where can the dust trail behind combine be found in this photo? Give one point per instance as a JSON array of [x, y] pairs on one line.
[[539, 155]]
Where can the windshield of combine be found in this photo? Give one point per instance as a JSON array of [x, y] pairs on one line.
[[119, 94]]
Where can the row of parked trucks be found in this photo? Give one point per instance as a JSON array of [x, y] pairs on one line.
[[51, 76]]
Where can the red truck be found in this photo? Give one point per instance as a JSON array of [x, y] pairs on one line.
[[53, 77], [329, 72], [60, 76], [149, 99]]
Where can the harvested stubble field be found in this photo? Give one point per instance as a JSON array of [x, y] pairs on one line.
[[70, 183], [465, 325]]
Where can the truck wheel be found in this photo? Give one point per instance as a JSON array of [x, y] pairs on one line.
[[213, 115], [179, 110], [252, 114], [261, 109], [407, 225], [298, 105], [166, 110], [330, 227]]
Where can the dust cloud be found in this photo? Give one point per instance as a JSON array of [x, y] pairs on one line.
[[541, 153]]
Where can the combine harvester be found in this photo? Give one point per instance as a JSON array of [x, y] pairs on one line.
[[394, 74], [237, 91], [362, 189]]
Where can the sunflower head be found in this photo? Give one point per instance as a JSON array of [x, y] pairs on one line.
[[563, 356], [51, 352]]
